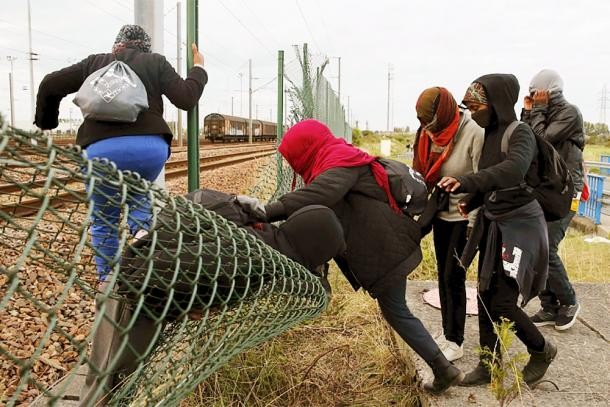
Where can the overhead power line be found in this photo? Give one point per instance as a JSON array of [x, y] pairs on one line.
[[313, 38], [245, 27]]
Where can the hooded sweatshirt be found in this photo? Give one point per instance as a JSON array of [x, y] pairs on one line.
[[497, 182]]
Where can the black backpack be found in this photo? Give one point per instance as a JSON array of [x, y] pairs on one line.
[[555, 191], [407, 186], [222, 203]]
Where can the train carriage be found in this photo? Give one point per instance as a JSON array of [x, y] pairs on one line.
[[225, 128]]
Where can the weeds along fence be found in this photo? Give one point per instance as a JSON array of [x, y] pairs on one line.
[[177, 302]]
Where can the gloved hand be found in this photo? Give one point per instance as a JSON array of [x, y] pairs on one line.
[[252, 206]]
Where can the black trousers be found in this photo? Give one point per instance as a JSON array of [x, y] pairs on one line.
[[558, 290], [393, 304], [500, 300], [449, 242]]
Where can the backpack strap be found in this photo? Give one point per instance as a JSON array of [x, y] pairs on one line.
[[510, 129], [507, 134]]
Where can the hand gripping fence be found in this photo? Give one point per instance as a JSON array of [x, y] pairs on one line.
[[177, 303]]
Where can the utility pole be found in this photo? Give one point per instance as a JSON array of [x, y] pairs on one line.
[[11, 89], [33, 57], [179, 64], [250, 101], [232, 97], [388, 106]]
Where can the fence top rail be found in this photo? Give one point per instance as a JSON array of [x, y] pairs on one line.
[[598, 164]]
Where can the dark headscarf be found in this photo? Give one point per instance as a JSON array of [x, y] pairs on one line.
[[132, 36]]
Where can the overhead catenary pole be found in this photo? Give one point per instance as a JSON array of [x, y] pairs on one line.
[[11, 90], [349, 123], [192, 23], [241, 94], [388, 106], [232, 97], [149, 15], [339, 85], [32, 58], [250, 101], [179, 66]]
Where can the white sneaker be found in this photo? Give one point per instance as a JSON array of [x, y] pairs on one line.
[[451, 350], [439, 338]]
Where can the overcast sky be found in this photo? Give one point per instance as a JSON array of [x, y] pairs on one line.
[[428, 43]]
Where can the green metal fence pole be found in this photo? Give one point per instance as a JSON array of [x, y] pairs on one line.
[[192, 27], [280, 108]]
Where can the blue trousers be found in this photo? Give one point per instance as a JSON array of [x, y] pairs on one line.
[[144, 154]]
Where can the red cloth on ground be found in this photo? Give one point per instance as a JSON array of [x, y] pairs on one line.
[[311, 149]]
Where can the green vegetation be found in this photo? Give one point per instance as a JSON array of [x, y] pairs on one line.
[[370, 141], [594, 151], [506, 377]]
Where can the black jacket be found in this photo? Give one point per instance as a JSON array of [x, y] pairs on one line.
[[496, 184], [378, 239], [155, 72], [561, 124]]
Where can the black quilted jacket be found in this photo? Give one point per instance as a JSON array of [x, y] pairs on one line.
[[381, 245]]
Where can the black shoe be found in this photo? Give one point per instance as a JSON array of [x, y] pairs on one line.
[[321, 272], [539, 363], [445, 375], [543, 317], [566, 316], [477, 377]]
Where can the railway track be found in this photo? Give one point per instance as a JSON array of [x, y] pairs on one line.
[[175, 150], [74, 191]]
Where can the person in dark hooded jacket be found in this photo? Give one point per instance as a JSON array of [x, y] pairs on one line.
[[382, 242], [560, 123], [510, 230]]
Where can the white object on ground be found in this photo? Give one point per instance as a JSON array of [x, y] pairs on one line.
[[597, 239], [385, 148], [432, 297]]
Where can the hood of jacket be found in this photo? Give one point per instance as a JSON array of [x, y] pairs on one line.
[[502, 92]]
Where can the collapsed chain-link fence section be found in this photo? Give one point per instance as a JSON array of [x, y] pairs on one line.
[[177, 302]]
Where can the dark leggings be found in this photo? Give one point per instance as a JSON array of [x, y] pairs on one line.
[[449, 242], [500, 300], [393, 304]]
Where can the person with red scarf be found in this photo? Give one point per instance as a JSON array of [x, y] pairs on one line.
[[448, 142], [382, 242]]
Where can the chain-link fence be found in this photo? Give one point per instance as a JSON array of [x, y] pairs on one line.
[[312, 96], [177, 302]]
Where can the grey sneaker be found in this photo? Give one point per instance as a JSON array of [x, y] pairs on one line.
[[543, 317], [566, 316]]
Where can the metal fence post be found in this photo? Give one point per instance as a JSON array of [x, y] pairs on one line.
[[192, 27], [279, 127]]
